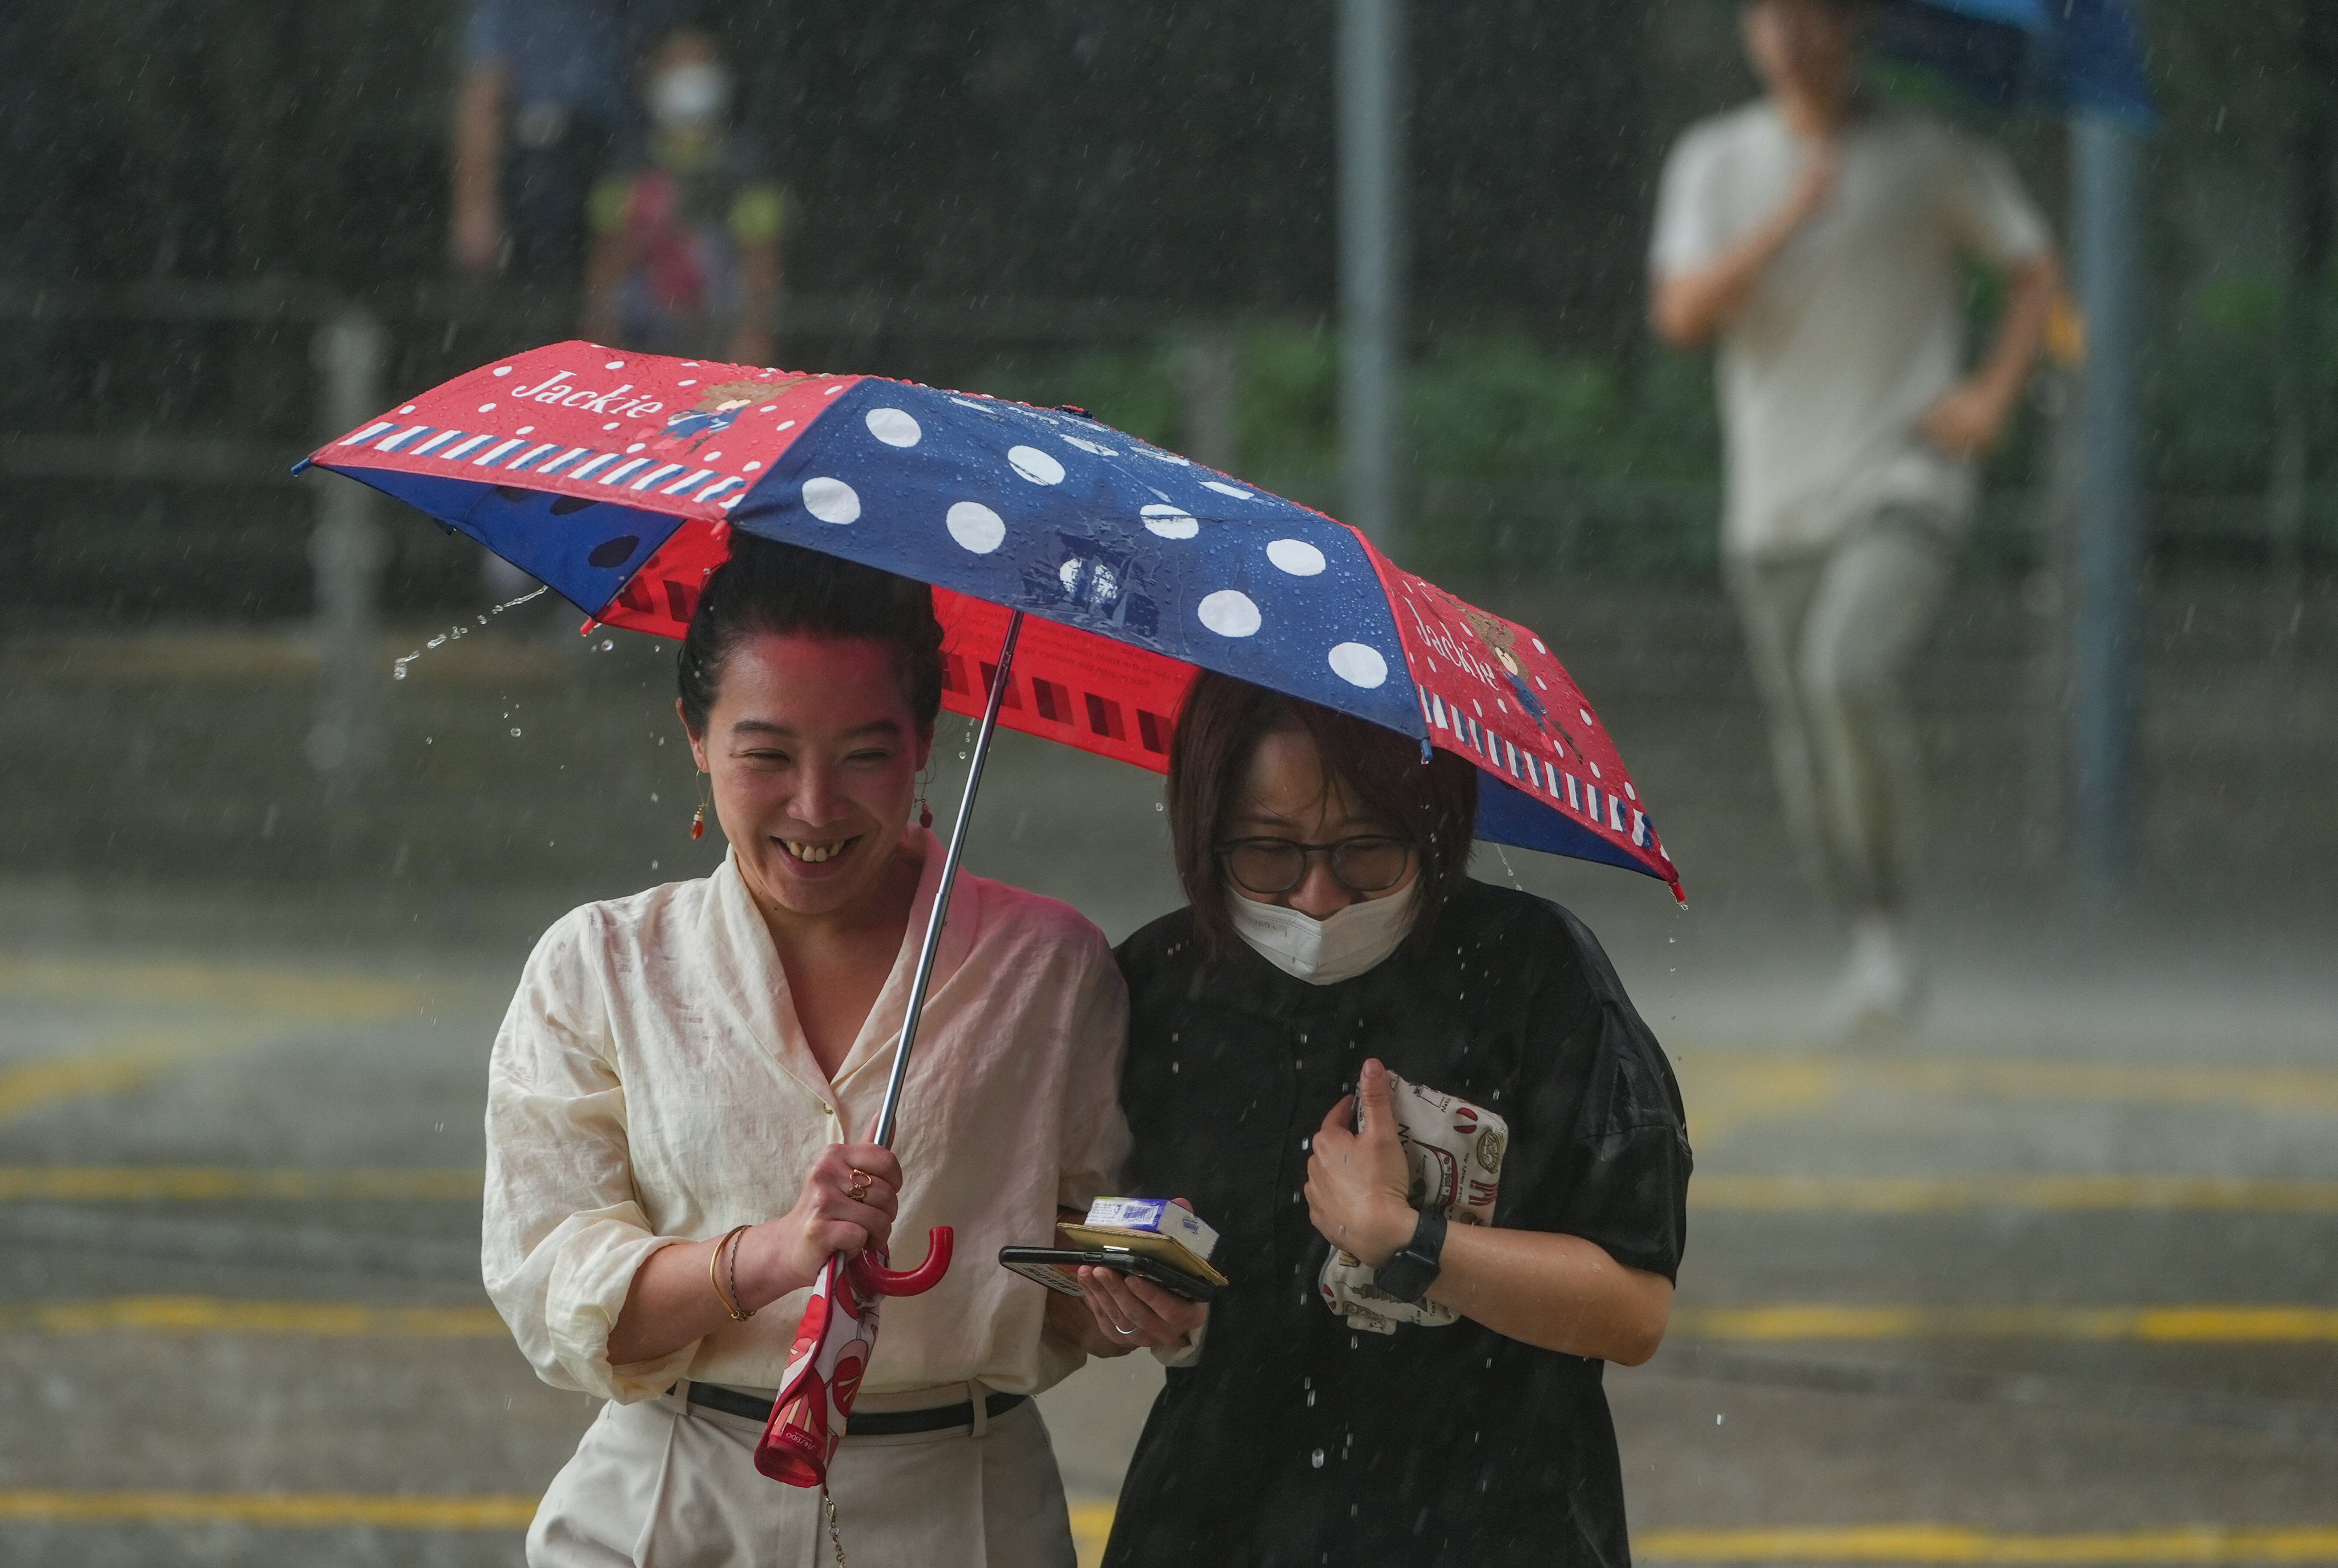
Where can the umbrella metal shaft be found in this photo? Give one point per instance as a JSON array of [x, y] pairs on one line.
[[933, 941]]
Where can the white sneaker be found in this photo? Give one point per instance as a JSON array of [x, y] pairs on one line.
[[1881, 991]]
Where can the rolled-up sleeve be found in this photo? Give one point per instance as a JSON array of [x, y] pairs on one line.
[[564, 1233]]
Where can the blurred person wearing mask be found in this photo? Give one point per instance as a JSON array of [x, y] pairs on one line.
[[543, 100], [1822, 240], [1406, 1365], [686, 236]]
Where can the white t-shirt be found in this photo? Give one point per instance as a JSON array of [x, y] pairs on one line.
[[1858, 325]]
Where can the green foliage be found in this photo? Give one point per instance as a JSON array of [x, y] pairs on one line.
[[2211, 403], [1524, 458], [1130, 389]]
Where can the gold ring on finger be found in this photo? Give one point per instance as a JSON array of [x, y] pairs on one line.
[[859, 1191]]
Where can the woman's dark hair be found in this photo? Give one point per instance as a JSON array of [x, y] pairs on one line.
[[1432, 804], [770, 588]]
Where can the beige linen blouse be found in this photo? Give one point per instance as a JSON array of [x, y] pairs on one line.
[[651, 1085]]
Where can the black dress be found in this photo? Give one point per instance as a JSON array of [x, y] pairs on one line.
[[1295, 1439]]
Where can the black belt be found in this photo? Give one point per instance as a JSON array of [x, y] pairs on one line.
[[864, 1423]]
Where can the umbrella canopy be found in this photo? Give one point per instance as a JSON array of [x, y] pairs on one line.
[[616, 478], [2066, 54]]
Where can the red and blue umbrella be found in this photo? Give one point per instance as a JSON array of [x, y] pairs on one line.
[[1081, 577], [616, 478]]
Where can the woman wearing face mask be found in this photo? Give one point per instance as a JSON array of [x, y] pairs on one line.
[[681, 1100], [1334, 939], [685, 255]]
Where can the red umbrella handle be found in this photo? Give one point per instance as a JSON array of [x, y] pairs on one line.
[[832, 1348], [876, 1278]]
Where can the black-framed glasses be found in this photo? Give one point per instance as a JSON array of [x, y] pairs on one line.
[[1370, 863]]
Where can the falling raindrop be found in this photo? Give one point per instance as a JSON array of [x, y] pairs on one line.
[[515, 731], [1317, 1459], [397, 670]]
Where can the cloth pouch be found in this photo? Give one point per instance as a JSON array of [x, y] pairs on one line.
[[1454, 1150]]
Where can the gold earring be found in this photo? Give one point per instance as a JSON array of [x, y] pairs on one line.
[[698, 818]]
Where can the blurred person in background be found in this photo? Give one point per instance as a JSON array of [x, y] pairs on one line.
[[685, 254], [1822, 240], [1406, 1365], [545, 95]]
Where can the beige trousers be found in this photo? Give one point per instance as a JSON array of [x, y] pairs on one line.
[[1831, 636], [665, 1483]]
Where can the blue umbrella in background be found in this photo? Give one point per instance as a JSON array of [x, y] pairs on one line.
[[2082, 60], [2075, 55]]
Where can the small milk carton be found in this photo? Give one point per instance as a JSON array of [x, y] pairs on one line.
[[1154, 1228]]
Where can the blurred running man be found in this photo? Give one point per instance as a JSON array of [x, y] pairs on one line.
[[1822, 239]]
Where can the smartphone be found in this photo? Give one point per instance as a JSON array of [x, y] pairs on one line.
[[1057, 1268]]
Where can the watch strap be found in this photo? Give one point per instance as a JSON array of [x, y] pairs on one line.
[[1413, 1268]]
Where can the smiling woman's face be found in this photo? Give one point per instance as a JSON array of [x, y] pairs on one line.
[[813, 754]]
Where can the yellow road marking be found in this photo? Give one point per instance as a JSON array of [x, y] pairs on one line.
[[1091, 1527], [2198, 1325], [212, 1183], [1726, 1089], [262, 1001], [300, 1510], [1933, 1195], [112, 1065], [216, 1314], [1723, 1091], [242, 988], [2292, 1090], [1950, 1543], [2192, 1325], [1719, 1193], [1092, 1522]]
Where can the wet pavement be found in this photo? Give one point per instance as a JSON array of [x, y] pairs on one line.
[[2054, 1279]]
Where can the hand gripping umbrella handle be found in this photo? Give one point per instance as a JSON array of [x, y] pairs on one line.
[[880, 1280]]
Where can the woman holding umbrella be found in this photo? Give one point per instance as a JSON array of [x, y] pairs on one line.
[[681, 1099], [1434, 1396]]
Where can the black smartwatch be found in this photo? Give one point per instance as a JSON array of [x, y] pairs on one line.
[[1413, 1268]]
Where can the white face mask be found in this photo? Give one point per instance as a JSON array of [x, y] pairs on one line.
[[689, 97], [1325, 952]]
